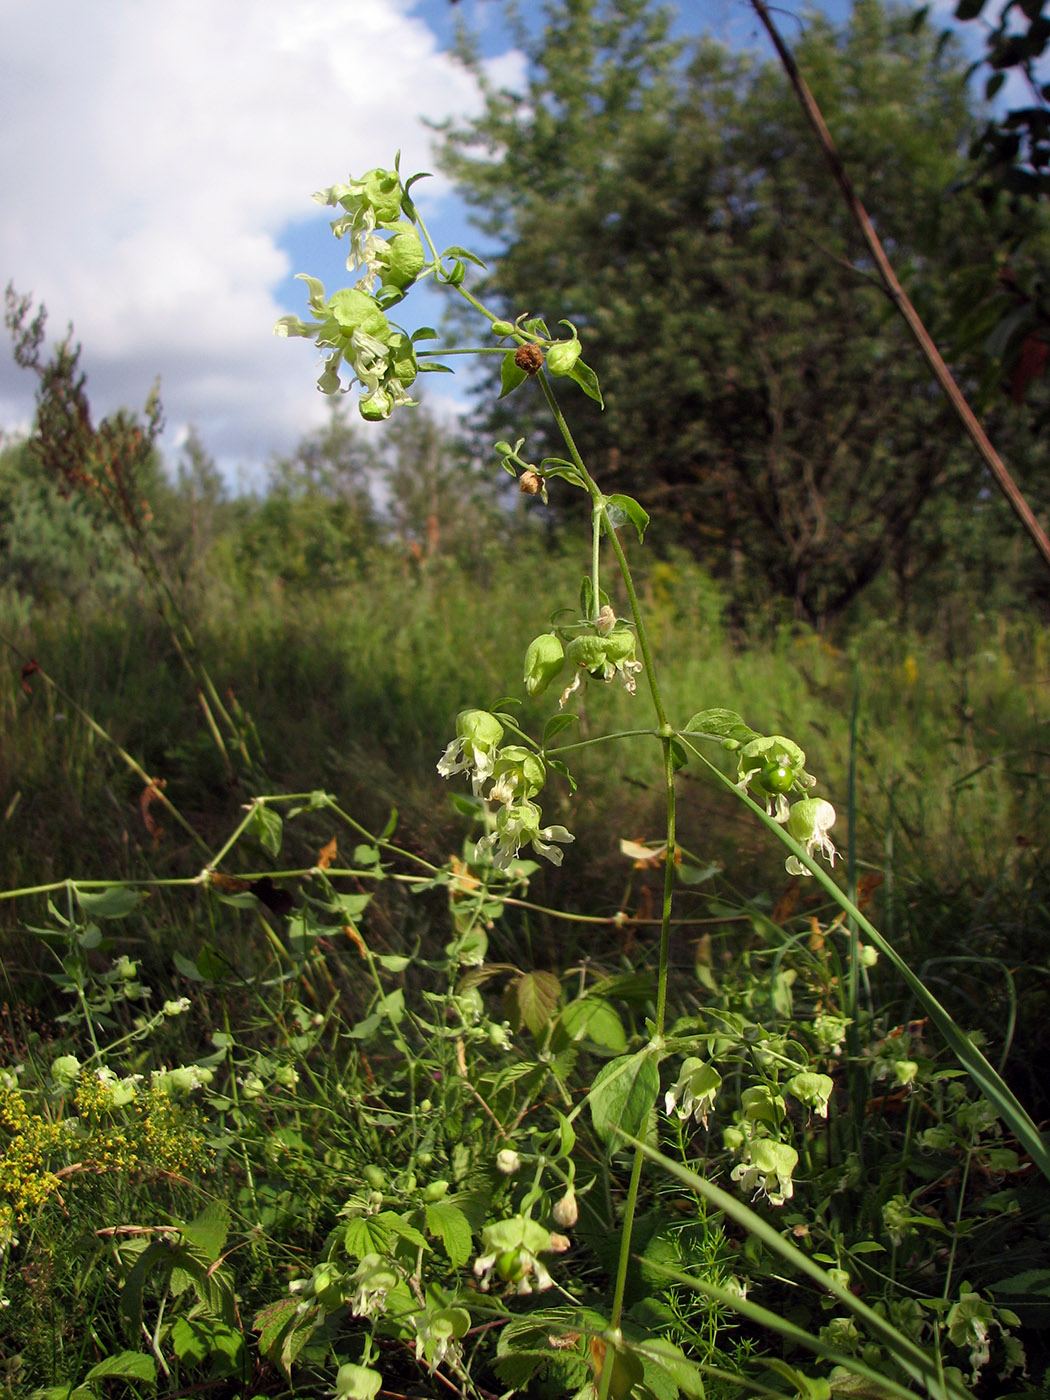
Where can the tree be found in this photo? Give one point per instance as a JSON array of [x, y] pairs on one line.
[[670, 203]]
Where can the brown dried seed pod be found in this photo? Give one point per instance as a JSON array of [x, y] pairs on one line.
[[529, 358], [530, 483]]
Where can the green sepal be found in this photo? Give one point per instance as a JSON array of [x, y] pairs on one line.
[[589, 605]]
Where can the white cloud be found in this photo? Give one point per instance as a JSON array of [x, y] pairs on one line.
[[152, 156]]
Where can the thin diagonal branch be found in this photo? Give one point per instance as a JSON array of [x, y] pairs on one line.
[[899, 297]]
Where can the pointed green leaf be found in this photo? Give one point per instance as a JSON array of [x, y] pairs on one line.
[[132, 1365], [593, 1019], [267, 828], [586, 378], [532, 1001], [510, 375], [623, 1095], [208, 1230], [452, 1228], [620, 509], [116, 902]]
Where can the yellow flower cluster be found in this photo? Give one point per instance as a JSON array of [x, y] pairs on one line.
[[150, 1132], [30, 1141]]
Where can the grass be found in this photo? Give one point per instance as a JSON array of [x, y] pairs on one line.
[[354, 689]]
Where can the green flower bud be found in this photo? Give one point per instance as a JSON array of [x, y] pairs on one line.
[[356, 311], [502, 328], [543, 661], [65, 1071], [382, 190], [562, 356], [587, 652], [518, 773], [376, 407], [403, 259], [479, 727], [619, 645], [375, 1176], [435, 1191], [403, 363]]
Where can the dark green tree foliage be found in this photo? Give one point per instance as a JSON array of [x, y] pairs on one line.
[[439, 500], [1013, 148], [669, 200], [316, 523], [75, 499]]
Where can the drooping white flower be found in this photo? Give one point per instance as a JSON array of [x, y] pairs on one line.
[[695, 1091], [809, 823]]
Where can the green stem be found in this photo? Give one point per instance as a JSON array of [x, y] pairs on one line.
[[626, 1228], [665, 920]]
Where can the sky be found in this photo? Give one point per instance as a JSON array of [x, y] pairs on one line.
[[157, 161]]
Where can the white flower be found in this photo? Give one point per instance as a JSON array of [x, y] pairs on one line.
[[176, 1008], [809, 823], [694, 1093], [814, 1090], [475, 748], [374, 1278], [518, 824], [767, 1170]]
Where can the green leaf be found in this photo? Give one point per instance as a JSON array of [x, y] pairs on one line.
[[1033, 1283], [532, 1000], [623, 1095], [160, 1255], [186, 968], [271, 1321], [199, 1340], [132, 1365], [208, 1231], [510, 375], [266, 826], [463, 253], [808, 1387], [721, 724], [452, 1228], [586, 378], [620, 509], [593, 1019], [116, 902], [366, 1234], [672, 1360], [392, 962], [400, 1227]]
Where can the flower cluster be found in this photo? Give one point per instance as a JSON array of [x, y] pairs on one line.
[[512, 1249], [603, 655], [517, 775], [774, 767], [351, 326]]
